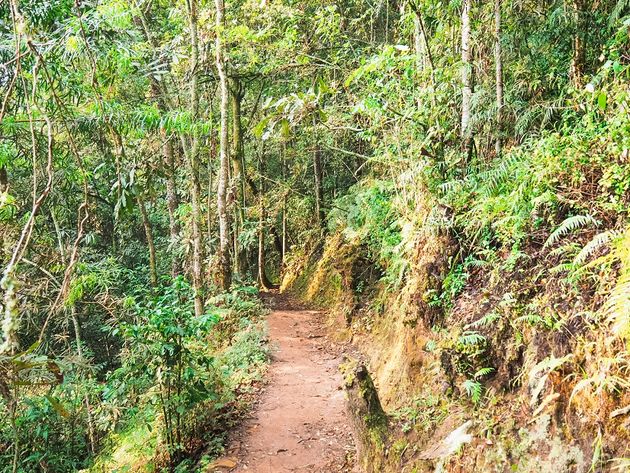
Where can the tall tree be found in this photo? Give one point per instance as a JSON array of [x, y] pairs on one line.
[[263, 280], [498, 66], [193, 160], [172, 201], [158, 90], [225, 270], [318, 173], [466, 71], [579, 43], [238, 170], [148, 232]]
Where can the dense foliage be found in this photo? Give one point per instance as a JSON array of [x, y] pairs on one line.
[[158, 158]]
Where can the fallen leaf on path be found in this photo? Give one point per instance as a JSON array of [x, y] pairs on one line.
[[222, 463]]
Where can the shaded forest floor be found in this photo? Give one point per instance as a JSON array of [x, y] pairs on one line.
[[300, 423]]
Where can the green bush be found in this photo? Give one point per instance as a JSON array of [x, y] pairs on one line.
[[367, 212], [170, 352]]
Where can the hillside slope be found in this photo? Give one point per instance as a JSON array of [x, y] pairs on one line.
[[495, 307]]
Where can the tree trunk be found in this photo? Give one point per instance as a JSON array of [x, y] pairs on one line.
[[319, 186], [418, 44], [422, 46], [172, 201], [466, 75], [262, 274], [4, 180], [238, 154], [319, 189], [579, 46], [498, 63], [172, 198], [86, 397], [213, 156], [9, 342], [225, 270], [238, 172], [193, 163], [283, 244], [148, 231]]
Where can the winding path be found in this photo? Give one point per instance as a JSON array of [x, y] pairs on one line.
[[300, 424]]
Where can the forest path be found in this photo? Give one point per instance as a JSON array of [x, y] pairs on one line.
[[300, 423]]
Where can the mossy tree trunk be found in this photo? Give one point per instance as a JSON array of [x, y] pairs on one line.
[[225, 270]]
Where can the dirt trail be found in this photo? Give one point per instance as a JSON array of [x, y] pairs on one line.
[[300, 424]]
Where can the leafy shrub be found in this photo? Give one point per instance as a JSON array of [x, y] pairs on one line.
[[170, 352], [367, 212], [51, 424]]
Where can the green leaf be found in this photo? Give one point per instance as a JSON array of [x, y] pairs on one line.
[[602, 101], [57, 406], [286, 130]]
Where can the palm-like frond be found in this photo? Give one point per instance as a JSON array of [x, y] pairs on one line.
[[568, 226], [617, 307], [595, 244]]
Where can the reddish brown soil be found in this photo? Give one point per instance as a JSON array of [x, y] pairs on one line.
[[300, 423]]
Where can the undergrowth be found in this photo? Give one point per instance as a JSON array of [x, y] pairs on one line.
[[181, 381]]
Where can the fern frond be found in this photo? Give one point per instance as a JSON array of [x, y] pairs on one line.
[[618, 11], [483, 372], [451, 186], [495, 177], [531, 319], [564, 250], [617, 307], [595, 244], [471, 338], [485, 320], [570, 225], [562, 268], [474, 389]]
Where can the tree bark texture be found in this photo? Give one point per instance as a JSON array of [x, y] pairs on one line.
[[466, 72], [225, 270], [193, 163], [498, 63]]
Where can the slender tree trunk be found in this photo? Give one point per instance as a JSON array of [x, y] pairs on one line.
[[238, 172], [225, 269], [4, 180], [579, 43], [172, 201], [418, 44], [423, 48], [498, 63], [284, 208], [262, 274], [213, 156], [319, 190], [86, 398], [319, 186], [238, 154], [193, 163], [9, 310], [466, 75], [197, 246], [148, 231], [12, 405], [172, 198]]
